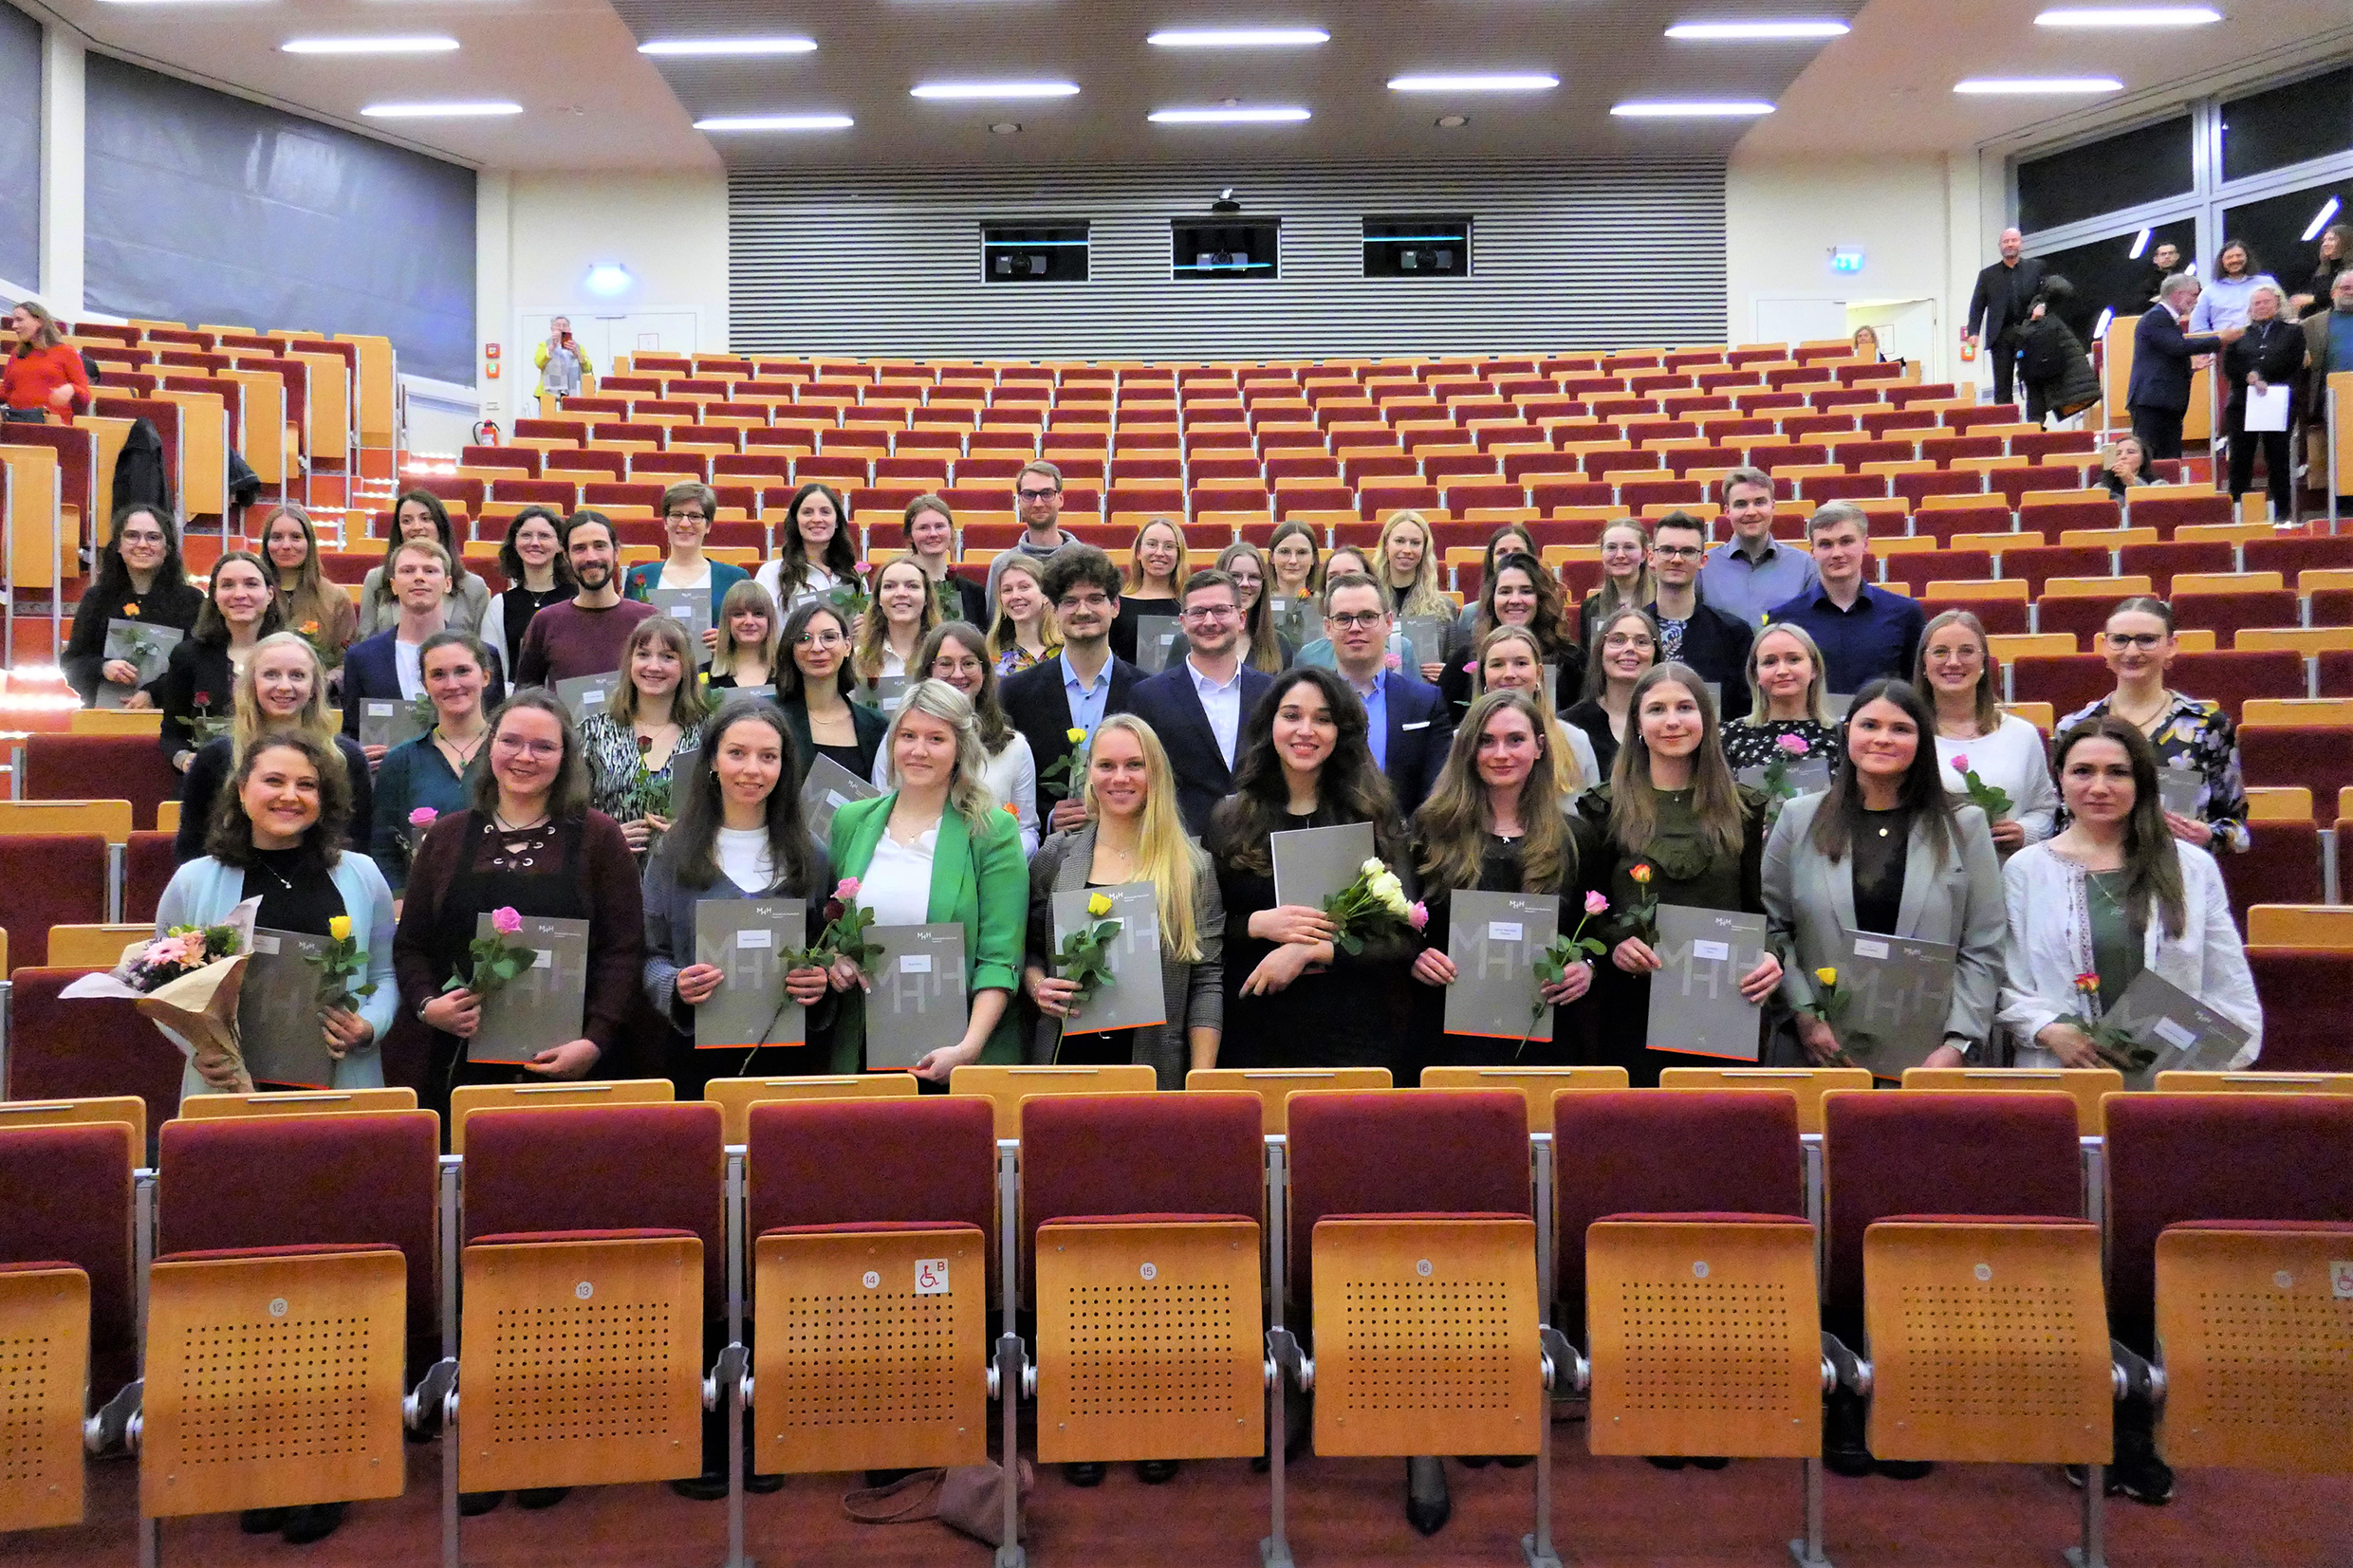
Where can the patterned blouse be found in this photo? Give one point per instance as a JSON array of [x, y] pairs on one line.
[[2195, 737], [1748, 745], [617, 777], [1018, 658]]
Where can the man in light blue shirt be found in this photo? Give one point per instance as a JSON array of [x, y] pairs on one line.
[[1752, 572], [1196, 705]]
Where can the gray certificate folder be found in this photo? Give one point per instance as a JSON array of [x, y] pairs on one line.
[[1495, 939], [829, 787], [1899, 997], [748, 938], [542, 1006], [1807, 776], [585, 694], [1426, 636], [1312, 863], [690, 608], [388, 721], [918, 1002], [1695, 1004], [1134, 997], [2187, 1035], [278, 1025], [146, 647], [1156, 642]]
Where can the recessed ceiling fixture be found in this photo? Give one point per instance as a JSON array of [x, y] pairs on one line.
[[728, 45], [1757, 31], [1227, 115], [1237, 38], [1691, 109], [368, 45], [1477, 81], [1452, 122], [2129, 17], [1006, 127], [439, 111], [776, 122], [2021, 85], [967, 90]]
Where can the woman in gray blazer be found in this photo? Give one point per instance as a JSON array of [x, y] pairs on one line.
[[1132, 834], [1888, 852]]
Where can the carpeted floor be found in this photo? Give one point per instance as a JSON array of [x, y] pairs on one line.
[[1615, 1512]]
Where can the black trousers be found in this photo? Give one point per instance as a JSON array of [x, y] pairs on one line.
[[2005, 352], [2278, 449], [2158, 431]]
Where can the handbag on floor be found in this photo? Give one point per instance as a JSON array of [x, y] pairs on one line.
[[968, 1498]]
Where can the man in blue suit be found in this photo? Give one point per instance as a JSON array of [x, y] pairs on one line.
[[1411, 728], [388, 664], [2158, 395], [1198, 706]]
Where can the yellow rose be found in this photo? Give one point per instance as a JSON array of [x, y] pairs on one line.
[[339, 927], [1098, 905], [1826, 975], [1074, 735]]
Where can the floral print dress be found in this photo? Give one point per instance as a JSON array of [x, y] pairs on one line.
[[2194, 738], [619, 784]]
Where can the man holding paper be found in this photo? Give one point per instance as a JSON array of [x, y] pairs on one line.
[[2263, 368]]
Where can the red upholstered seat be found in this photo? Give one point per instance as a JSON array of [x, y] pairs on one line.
[[66, 1050], [2302, 992], [1928, 566], [599, 1168], [2155, 508], [359, 1178], [1086, 1155], [2066, 681], [2225, 614], [1892, 1154], [1469, 1154], [53, 880], [1942, 523], [2281, 865], [2295, 553], [1999, 616], [2175, 1157], [2319, 757], [2159, 562], [2229, 676], [2038, 564], [148, 863], [83, 1176], [100, 768], [1636, 1152], [872, 1162]]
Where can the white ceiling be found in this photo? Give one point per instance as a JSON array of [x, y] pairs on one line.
[[592, 103]]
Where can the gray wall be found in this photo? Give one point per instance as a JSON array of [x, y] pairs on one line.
[[208, 207], [1568, 254], [19, 147]]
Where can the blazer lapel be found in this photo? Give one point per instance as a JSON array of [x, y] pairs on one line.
[[1840, 874], [952, 866], [1196, 720], [1920, 869], [865, 831]]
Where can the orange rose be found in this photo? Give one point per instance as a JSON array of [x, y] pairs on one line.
[[1640, 874]]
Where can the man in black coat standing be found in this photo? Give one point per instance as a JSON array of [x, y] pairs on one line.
[[1998, 307], [1078, 687], [2158, 394], [1199, 705]]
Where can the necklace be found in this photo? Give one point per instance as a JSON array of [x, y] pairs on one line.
[[2139, 721], [275, 874], [515, 830], [442, 737]]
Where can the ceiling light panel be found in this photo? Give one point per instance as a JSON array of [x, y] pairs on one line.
[[1237, 38], [368, 45], [690, 47], [1690, 109], [1763, 32], [776, 122], [1477, 81], [2129, 17], [1235, 115], [439, 111], [985, 91], [2030, 86]]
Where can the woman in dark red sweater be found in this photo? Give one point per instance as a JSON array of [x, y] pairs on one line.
[[44, 379], [530, 842]]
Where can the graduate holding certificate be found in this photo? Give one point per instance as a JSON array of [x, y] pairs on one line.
[[1884, 865]]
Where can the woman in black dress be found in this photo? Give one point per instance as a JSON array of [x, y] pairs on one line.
[[812, 689]]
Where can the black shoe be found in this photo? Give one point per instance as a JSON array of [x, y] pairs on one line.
[[1086, 1472], [1902, 1469], [1710, 1461], [887, 1478], [313, 1522], [707, 1487], [1516, 1460], [1475, 1460], [1666, 1461], [760, 1485], [536, 1498], [474, 1505], [1843, 1450], [1156, 1472], [263, 1521], [1427, 1515], [2148, 1481]]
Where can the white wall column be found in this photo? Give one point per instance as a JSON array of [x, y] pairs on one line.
[[503, 399], [64, 194]]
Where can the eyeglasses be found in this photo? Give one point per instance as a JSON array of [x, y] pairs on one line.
[[1038, 495], [1358, 618], [1678, 552], [1083, 601], [688, 517], [131, 537], [1620, 639], [1209, 612], [2122, 640], [516, 745], [819, 640]]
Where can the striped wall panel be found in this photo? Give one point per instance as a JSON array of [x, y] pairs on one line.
[[1571, 254]]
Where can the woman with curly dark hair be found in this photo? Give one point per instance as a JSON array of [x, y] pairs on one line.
[[1293, 999]]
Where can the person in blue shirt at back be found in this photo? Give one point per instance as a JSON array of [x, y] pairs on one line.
[[1864, 631]]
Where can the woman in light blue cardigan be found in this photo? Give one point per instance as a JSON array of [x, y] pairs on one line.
[[276, 833]]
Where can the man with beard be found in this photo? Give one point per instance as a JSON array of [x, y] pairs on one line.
[[584, 637], [1057, 704]]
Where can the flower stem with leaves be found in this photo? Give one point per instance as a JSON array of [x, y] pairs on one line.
[[1084, 959], [1552, 964]]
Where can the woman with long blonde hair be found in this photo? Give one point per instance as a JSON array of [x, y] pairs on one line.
[[1023, 631], [282, 687], [1133, 834], [309, 603], [905, 612], [1407, 560], [1673, 812], [1511, 659], [750, 633], [1158, 562], [1626, 582]]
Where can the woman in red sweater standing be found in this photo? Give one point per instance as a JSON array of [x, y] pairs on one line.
[[45, 376]]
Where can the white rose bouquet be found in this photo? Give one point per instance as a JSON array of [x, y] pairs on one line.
[[1373, 905]]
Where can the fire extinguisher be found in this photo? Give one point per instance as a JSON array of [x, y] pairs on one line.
[[486, 434]]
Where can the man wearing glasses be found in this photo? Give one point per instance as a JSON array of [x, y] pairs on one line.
[[1197, 707], [1690, 630], [1057, 703], [1037, 491], [1409, 724], [1864, 632]]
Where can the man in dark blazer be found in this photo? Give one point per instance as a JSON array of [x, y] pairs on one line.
[[1078, 687], [1198, 706], [1412, 726], [1712, 641], [372, 665], [2158, 394], [1998, 307]]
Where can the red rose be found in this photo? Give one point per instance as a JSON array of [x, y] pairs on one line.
[[204, 699], [833, 909]]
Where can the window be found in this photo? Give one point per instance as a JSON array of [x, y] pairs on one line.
[[2303, 120], [2108, 276], [1418, 248], [2105, 176], [1224, 248], [1033, 252], [2274, 229]]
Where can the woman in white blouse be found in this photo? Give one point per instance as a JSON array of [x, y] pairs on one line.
[[2114, 893], [815, 553], [1960, 676], [958, 655]]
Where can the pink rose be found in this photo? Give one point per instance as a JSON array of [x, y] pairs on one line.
[[1419, 915], [1393, 660], [1595, 903], [1960, 763], [504, 921], [421, 816], [847, 890], [1794, 745]]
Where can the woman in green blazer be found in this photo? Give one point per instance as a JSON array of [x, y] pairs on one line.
[[937, 848]]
